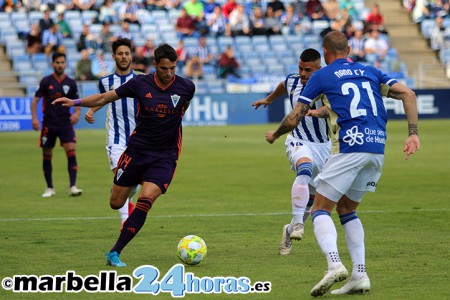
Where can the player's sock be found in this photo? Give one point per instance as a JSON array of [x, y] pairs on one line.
[[72, 166], [326, 236], [123, 211], [354, 236], [47, 167], [133, 224], [308, 208], [300, 193]]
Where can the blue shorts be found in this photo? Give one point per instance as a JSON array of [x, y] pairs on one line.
[[66, 134], [135, 167]]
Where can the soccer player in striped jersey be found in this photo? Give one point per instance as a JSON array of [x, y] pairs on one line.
[[357, 127], [57, 122], [307, 147], [154, 146], [121, 114]]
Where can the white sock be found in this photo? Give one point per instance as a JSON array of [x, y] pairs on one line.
[[326, 236], [354, 236], [123, 211], [300, 198]]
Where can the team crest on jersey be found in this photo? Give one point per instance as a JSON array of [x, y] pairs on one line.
[[119, 173], [175, 98], [66, 88]]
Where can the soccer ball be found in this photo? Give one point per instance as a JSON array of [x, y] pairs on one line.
[[191, 250]]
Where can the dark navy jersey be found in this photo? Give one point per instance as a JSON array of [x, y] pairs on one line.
[[160, 111], [50, 89]]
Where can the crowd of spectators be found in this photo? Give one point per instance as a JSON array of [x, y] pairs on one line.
[[197, 19]]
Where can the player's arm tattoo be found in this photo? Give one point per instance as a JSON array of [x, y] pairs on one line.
[[394, 94], [292, 120], [413, 129]]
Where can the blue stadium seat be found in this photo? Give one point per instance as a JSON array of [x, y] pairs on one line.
[[35, 16], [242, 40], [88, 16]]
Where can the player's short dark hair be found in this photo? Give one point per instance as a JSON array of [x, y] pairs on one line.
[[57, 55], [165, 51], [121, 42], [310, 55]]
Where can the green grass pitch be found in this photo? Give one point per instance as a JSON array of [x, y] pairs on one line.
[[232, 189]]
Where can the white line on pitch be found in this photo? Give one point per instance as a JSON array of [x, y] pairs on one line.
[[216, 215]]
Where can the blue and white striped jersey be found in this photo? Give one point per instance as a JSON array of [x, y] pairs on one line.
[[310, 129], [353, 94], [121, 114]]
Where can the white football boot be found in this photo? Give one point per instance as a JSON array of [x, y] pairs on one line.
[[354, 286], [49, 192], [286, 243], [331, 277]]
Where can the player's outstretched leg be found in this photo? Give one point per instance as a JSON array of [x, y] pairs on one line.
[[300, 198], [326, 236], [131, 227], [359, 283], [286, 243], [127, 209]]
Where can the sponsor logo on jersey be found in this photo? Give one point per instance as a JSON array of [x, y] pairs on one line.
[[353, 136]]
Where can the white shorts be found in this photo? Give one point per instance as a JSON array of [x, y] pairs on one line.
[[352, 174], [317, 153], [114, 152]]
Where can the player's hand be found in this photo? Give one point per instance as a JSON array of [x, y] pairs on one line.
[[270, 136], [412, 144], [66, 102], [312, 113], [258, 103], [35, 124], [89, 116]]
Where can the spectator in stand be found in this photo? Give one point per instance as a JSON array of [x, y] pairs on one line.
[[350, 7], [172, 4], [273, 21], [185, 26], [251, 5], [82, 5], [182, 55], [10, 5], [239, 21], [52, 40], [100, 66], [376, 48], [105, 38], [208, 7], [149, 50], [86, 40], [194, 67], [315, 11], [228, 64], [108, 14], [83, 70], [124, 32], [194, 8], [203, 52], [331, 8], [64, 26], [258, 21], [140, 62], [46, 21], [374, 19], [129, 13], [300, 8], [356, 43], [152, 5], [34, 40], [291, 20], [228, 7], [277, 6], [217, 23]]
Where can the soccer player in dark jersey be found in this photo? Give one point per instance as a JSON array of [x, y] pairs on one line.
[[155, 144], [57, 122]]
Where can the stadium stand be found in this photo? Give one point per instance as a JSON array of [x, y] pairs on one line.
[[259, 55]]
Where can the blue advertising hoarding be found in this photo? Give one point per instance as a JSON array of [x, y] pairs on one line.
[[223, 109]]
